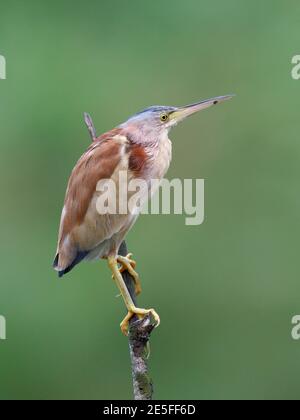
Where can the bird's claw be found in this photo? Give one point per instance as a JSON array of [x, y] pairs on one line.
[[141, 313], [125, 261]]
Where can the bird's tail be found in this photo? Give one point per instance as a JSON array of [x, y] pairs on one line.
[[79, 257]]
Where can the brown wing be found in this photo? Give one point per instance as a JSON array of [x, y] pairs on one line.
[[99, 162]]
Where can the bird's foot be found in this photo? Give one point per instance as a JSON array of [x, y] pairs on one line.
[[140, 313], [127, 263]]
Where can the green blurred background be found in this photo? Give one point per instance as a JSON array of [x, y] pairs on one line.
[[226, 291]]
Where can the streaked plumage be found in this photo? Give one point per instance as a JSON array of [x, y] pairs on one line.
[[85, 234]]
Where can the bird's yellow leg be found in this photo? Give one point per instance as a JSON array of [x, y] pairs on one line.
[[132, 309], [127, 263]]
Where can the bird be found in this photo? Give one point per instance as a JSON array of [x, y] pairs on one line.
[[141, 148]]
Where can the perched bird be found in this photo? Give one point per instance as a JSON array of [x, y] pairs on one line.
[[140, 147]]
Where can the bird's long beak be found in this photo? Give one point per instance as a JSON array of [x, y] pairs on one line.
[[185, 111]]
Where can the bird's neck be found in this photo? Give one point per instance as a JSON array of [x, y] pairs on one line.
[[150, 156], [160, 155]]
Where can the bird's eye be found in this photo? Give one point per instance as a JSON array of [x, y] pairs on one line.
[[164, 117]]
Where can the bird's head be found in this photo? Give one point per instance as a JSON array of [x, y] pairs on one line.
[[155, 121]]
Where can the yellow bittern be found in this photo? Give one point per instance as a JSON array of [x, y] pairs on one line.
[[142, 149]]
